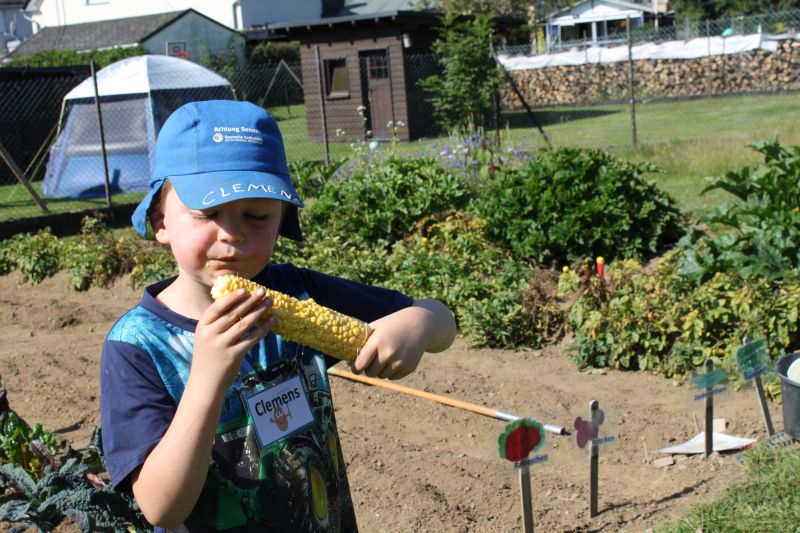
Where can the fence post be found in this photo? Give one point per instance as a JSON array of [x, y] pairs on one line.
[[630, 83], [321, 87], [12, 165], [102, 134]]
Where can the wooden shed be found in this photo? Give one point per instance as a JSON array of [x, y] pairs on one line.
[[360, 72]]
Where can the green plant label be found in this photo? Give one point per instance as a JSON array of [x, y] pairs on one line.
[[752, 358]]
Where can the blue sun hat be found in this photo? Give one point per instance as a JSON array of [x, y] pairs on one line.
[[218, 151]]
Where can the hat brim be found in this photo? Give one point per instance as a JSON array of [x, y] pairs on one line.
[[210, 189]]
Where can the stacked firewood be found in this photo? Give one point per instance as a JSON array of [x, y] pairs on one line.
[[747, 72]]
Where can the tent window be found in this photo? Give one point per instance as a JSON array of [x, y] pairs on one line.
[[337, 82], [124, 128]]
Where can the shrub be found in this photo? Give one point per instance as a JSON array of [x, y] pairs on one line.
[[36, 256], [572, 203], [656, 320], [383, 203], [448, 257], [69, 58], [759, 234]]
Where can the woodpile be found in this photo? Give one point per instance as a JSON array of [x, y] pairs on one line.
[[752, 71]]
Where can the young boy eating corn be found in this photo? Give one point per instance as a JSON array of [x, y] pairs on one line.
[[214, 412]]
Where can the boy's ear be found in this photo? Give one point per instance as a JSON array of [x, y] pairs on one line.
[[159, 230]]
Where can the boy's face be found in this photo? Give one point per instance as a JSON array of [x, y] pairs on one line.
[[234, 238]]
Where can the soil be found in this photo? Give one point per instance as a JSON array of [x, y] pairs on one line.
[[415, 464]]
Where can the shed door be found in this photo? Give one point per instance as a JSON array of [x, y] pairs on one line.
[[375, 75]]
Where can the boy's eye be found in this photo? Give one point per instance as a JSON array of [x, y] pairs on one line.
[[199, 215], [257, 216]]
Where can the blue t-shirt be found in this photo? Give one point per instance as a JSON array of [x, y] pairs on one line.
[[259, 480]]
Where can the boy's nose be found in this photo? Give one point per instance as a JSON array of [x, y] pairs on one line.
[[229, 231]]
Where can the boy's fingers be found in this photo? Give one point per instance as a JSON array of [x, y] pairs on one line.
[[223, 306], [242, 308], [256, 332], [366, 357]]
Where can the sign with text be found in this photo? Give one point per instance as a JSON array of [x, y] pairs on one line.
[[752, 359]]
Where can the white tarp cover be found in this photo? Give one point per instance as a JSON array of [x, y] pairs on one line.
[[136, 96], [142, 74], [720, 442], [694, 48]]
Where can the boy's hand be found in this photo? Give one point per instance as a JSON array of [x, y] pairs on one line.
[[396, 345], [225, 332]]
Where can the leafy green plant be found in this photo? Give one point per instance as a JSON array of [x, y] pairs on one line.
[[386, 201], [23, 445], [69, 58], [95, 257], [572, 203], [35, 256], [759, 235], [44, 480], [657, 320], [448, 257], [310, 177], [70, 491]]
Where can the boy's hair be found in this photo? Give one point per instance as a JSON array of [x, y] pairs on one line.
[[218, 151]]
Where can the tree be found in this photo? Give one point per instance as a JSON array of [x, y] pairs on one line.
[[714, 9], [463, 95]]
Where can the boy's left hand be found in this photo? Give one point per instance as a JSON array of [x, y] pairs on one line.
[[396, 345]]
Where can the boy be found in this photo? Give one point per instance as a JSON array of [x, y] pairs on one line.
[[181, 373]]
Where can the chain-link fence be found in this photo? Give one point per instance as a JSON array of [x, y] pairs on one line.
[[678, 30]]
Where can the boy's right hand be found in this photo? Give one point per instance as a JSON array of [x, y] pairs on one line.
[[228, 328]]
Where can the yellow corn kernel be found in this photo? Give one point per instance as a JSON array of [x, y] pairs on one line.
[[305, 321]]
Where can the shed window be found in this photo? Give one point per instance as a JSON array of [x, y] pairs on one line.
[[337, 83], [378, 66]]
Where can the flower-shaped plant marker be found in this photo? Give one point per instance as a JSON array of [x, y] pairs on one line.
[[519, 439]]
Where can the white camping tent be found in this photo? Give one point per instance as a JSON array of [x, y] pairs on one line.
[[136, 96]]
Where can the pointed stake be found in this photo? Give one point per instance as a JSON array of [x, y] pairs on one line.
[[709, 412], [527, 499], [594, 456]]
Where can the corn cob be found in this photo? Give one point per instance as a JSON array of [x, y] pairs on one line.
[[305, 321]]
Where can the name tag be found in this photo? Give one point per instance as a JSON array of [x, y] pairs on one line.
[[279, 411]]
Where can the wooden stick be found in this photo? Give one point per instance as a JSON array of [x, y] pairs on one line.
[[527, 503], [762, 402], [594, 457], [644, 446], [481, 410], [5, 155], [709, 412]]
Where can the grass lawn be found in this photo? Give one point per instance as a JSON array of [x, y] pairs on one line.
[[768, 501], [688, 139]]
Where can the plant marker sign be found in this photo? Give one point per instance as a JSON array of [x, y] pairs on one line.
[[587, 436], [708, 385], [518, 441], [752, 360]]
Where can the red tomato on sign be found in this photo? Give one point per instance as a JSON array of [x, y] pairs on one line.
[[520, 439]]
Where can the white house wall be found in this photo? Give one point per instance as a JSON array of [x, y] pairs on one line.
[[236, 14], [198, 36]]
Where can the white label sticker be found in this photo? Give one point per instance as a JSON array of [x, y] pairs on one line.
[[279, 411]]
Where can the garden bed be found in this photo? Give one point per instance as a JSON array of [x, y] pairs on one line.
[[415, 465]]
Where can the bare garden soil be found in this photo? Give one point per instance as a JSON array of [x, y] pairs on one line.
[[416, 465]]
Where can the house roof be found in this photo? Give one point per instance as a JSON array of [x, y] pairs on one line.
[[123, 32], [597, 10], [352, 12]]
